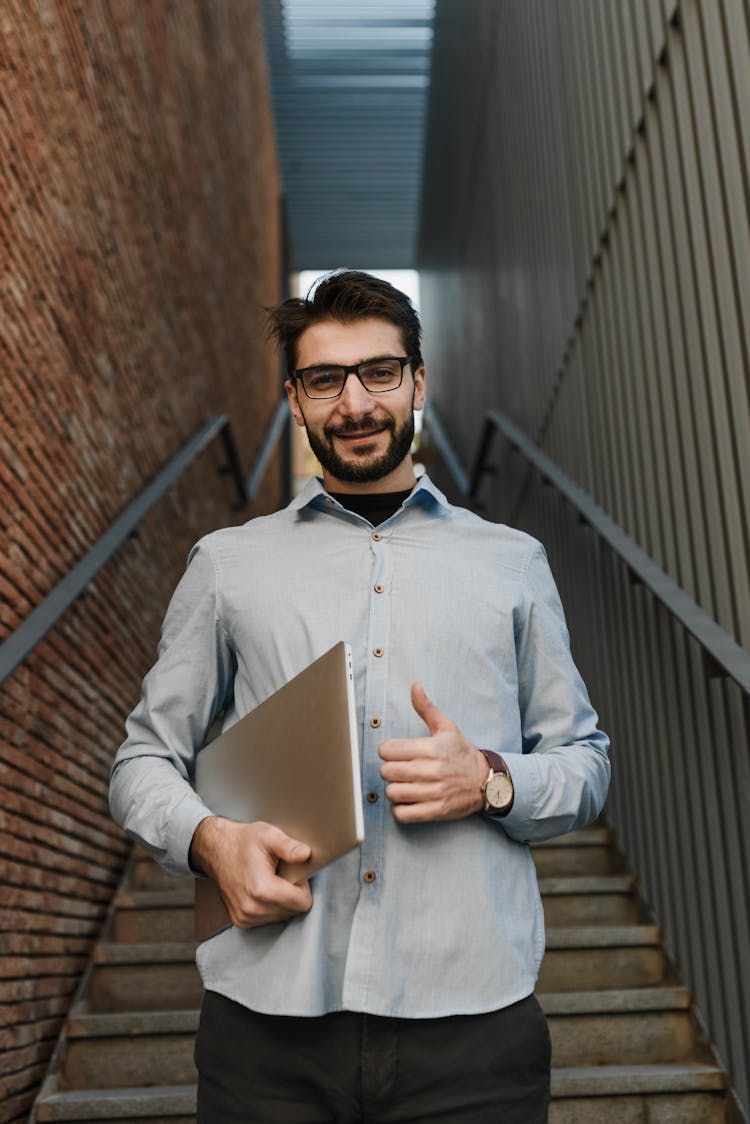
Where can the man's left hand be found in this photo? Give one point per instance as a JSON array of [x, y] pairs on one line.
[[439, 777]]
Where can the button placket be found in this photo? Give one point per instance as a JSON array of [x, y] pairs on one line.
[[375, 708]]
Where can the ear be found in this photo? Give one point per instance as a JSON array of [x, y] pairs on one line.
[[419, 387], [290, 387]]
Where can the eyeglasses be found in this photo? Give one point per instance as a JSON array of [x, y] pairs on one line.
[[376, 375]]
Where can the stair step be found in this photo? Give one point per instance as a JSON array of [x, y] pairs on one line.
[[667, 998], [175, 1103], [634, 1026], [601, 968], [156, 899], [592, 1028], [608, 1080], [584, 859], [607, 899], [581, 1095], [657, 1094], [568, 901], [145, 977], [93, 1024], [129, 1048], [602, 936], [581, 837], [154, 915], [144, 952], [594, 957], [148, 875]]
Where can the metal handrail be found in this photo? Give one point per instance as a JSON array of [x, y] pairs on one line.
[[689, 842], [728, 657], [273, 433], [447, 452], [35, 627]]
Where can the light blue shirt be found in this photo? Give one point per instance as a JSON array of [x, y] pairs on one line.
[[452, 923]]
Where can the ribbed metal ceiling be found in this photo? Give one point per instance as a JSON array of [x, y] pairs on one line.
[[349, 80]]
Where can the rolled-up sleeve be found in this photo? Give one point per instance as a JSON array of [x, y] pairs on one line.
[[150, 793], [562, 776]]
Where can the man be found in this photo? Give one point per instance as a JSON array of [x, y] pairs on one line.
[[397, 985]]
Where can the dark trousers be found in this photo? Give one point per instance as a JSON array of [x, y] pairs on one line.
[[346, 1067]]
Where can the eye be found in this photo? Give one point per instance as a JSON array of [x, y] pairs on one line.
[[384, 371], [323, 380]]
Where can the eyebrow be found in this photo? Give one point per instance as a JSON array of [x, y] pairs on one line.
[[359, 363]]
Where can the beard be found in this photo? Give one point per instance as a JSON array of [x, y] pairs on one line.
[[362, 468]]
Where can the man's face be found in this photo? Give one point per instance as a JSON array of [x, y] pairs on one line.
[[359, 437]]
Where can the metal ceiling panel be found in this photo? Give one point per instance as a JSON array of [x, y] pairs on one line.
[[349, 80]]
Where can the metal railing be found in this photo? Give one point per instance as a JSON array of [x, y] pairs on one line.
[[35, 627], [674, 690]]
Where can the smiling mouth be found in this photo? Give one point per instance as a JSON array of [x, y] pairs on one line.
[[360, 434]]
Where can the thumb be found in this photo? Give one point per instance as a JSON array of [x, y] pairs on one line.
[[427, 711], [283, 846]]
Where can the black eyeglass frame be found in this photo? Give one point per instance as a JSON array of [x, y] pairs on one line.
[[355, 369]]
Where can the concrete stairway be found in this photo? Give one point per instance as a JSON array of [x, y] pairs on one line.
[[625, 1045]]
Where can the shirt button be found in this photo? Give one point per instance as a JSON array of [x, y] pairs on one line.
[[377, 651], [372, 797], [376, 536], [370, 876], [379, 587], [329, 500], [375, 722]]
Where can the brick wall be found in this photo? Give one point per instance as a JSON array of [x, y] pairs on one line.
[[138, 241]]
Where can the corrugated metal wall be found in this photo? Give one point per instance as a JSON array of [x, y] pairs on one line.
[[585, 258]]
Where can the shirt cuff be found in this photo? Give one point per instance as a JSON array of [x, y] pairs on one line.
[[181, 826], [524, 772]]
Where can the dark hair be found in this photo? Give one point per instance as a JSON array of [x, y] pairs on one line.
[[344, 295]]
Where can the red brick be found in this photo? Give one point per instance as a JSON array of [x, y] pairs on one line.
[[140, 241]]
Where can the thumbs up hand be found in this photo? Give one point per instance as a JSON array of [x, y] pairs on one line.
[[439, 777]]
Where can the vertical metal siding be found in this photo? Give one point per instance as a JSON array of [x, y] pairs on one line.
[[591, 277], [603, 177]]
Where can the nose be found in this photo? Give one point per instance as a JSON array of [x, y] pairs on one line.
[[354, 400]]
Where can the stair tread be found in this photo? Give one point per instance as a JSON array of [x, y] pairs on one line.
[[91, 1024], [599, 1080], [620, 1000], [582, 837], [144, 952], [602, 936], [181, 898], [156, 899], [110, 1024], [586, 884], [573, 936], [566, 1081], [93, 1104]]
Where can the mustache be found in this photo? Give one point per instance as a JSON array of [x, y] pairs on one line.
[[366, 425]]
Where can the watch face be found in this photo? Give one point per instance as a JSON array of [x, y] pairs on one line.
[[499, 790]]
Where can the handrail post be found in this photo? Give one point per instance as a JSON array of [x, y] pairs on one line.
[[483, 451], [232, 465]]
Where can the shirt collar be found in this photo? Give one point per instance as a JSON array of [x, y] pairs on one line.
[[425, 493]]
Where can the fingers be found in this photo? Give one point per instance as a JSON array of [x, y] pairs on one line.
[[406, 749], [275, 893], [413, 793], [250, 912], [243, 862], [420, 812]]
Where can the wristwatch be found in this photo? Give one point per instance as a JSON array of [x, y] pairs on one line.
[[498, 788]]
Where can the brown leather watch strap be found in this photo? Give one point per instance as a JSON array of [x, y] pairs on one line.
[[495, 761]]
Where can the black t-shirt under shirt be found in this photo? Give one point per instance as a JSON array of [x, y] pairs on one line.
[[376, 507]]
